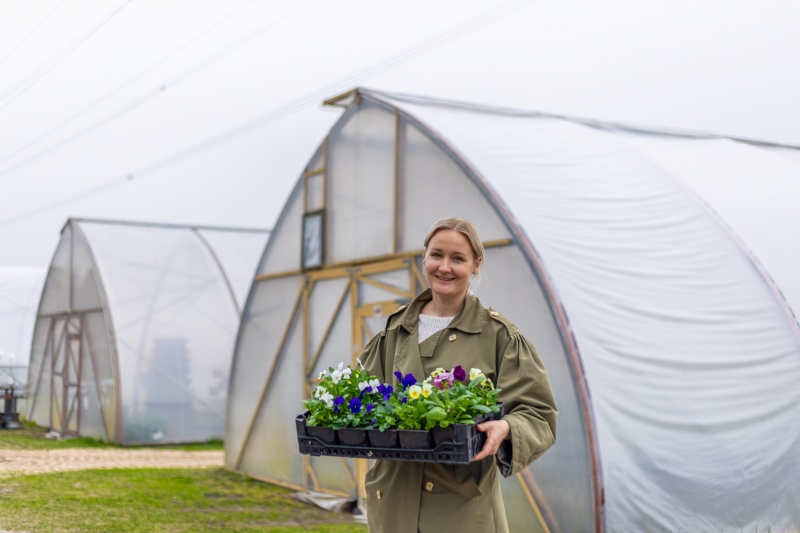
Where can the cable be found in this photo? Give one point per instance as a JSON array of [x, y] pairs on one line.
[[19, 89], [149, 95], [14, 49], [127, 83], [455, 32], [14, 12]]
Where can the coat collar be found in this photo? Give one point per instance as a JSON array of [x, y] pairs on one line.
[[469, 320]]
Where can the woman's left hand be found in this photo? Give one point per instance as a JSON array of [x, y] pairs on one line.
[[496, 432]]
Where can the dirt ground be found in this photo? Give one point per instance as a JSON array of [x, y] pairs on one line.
[[42, 461]]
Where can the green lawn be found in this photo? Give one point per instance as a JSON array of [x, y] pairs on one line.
[[32, 438], [157, 500]]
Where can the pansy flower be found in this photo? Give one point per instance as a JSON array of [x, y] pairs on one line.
[[407, 380], [475, 373], [459, 373], [370, 407], [443, 380], [337, 402], [427, 389], [355, 405], [327, 398], [414, 391], [386, 390]]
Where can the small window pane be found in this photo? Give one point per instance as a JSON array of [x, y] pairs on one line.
[[315, 193], [312, 240]]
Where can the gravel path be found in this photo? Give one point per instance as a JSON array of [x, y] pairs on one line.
[[42, 461]]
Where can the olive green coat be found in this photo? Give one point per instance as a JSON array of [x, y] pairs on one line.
[[406, 497]]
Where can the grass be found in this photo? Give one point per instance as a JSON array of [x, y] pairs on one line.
[[158, 500], [31, 437]]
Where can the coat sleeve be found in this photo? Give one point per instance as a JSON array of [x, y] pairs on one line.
[[373, 354], [529, 405]]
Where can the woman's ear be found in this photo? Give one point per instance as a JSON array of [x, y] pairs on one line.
[[478, 264]]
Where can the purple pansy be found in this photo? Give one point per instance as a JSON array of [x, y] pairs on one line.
[[386, 390], [404, 400], [445, 379], [355, 405], [370, 407], [459, 373], [336, 403], [407, 380]]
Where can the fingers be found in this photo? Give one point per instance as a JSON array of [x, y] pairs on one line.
[[491, 445]]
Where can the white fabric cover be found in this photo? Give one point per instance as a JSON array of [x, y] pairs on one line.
[[691, 356]]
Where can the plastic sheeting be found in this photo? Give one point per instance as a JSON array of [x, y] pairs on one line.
[[663, 252], [152, 314]]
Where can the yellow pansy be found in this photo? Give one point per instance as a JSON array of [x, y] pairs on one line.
[[427, 388], [414, 391]]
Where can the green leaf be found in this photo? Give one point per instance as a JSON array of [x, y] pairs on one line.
[[437, 413]]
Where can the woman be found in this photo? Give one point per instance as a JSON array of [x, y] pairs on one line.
[[446, 326]]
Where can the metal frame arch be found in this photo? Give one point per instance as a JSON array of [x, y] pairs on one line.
[[217, 262], [112, 340]]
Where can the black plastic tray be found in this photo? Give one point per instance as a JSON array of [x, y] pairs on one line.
[[467, 444]]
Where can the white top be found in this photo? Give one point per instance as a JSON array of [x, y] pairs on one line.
[[428, 325]]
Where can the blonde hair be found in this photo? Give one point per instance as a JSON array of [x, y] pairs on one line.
[[464, 227]]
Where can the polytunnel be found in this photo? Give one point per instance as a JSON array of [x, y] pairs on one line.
[[654, 270], [20, 288], [135, 330]]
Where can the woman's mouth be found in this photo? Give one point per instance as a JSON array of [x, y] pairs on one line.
[[444, 279]]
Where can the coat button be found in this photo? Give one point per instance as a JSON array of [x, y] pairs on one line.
[[429, 486], [379, 495], [494, 313], [452, 337]]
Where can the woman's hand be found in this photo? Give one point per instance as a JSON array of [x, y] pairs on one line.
[[496, 432]]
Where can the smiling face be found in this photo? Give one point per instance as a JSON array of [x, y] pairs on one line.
[[449, 264]]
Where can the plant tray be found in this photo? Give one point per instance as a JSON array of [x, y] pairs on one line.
[[467, 443]]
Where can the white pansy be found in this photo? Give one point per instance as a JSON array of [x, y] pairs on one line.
[[328, 399], [336, 376], [340, 367], [319, 392], [475, 373], [363, 385], [323, 374], [375, 383], [346, 373]]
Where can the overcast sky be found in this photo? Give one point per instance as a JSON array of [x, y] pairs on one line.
[[205, 111]]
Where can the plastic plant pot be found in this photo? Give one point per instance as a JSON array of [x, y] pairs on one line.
[[352, 436], [441, 434], [325, 434], [415, 439], [383, 439]]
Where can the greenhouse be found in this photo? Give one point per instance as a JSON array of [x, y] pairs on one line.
[[654, 270], [136, 327], [20, 289]]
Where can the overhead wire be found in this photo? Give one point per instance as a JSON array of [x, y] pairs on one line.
[[13, 12], [457, 31], [150, 94], [127, 82], [20, 88], [38, 25]]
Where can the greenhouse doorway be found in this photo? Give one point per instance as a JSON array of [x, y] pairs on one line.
[[373, 291], [67, 374]]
